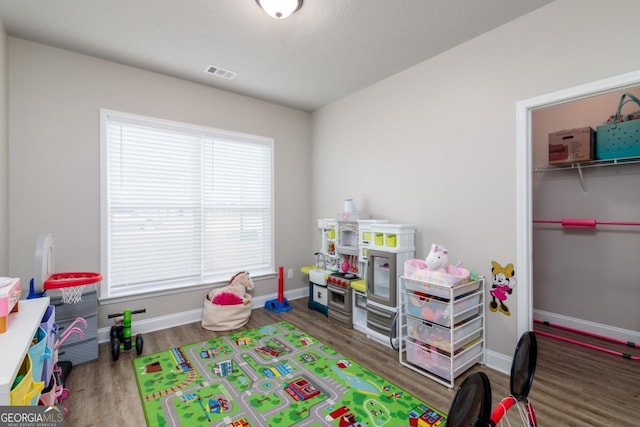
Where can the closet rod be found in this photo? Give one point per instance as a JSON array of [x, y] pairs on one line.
[[583, 222], [587, 345]]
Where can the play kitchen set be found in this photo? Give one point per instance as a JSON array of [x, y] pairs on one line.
[[354, 279], [366, 277], [31, 373]]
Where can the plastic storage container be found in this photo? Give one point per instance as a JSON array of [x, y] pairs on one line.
[[439, 362], [39, 353], [49, 326], [440, 290], [416, 269], [25, 390], [439, 336], [436, 310], [393, 237]]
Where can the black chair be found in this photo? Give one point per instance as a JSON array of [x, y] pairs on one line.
[[471, 406], [523, 366]]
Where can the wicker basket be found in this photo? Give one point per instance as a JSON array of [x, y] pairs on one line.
[[416, 269]]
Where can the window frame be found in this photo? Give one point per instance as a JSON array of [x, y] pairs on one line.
[[148, 290]]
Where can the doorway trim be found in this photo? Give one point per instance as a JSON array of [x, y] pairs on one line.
[[524, 208]]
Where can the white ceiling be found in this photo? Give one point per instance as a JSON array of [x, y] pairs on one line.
[[323, 52]]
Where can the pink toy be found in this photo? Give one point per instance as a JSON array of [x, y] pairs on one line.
[[438, 258], [10, 292], [227, 298], [235, 292]]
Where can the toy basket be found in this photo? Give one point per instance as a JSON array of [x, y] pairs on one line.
[[217, 317], [620, 138], [416, 269]]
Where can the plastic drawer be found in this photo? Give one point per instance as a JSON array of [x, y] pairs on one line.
[[439, 363], [47, 323], [87, 306], [90, 332], [78, 352], [439, 336], [437, 310], [441, 291]]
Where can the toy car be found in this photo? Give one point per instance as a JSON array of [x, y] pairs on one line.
[[120, 333]]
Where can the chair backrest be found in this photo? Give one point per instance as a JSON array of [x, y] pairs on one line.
[[471, 406], [523, 366]]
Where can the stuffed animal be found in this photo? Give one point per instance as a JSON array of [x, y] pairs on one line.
[[235, 292], [438, 258]]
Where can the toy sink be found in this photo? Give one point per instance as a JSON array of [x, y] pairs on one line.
[[319, 277]]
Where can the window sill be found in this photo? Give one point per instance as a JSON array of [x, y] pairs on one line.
[[133, 296]]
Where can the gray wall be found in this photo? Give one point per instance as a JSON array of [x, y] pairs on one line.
[[435, 144], [56, 96], [585, 274]]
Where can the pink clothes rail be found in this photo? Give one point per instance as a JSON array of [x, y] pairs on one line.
[[587, 345], [584, 222]]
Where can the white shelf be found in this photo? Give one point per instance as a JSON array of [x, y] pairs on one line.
[[584, 165], [591, 164], [21, 329]]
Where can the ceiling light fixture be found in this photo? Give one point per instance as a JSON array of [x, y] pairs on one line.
[[279, 9]]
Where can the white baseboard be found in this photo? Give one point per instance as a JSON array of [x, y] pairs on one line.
[[498, 362], [191, 316], [588, 326]]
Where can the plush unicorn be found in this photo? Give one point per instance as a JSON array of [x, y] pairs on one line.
[[235, 292], [438, 258]]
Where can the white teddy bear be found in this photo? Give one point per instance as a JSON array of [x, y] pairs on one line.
[[438, 258]]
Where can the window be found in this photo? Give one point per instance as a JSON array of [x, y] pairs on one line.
[[181, 205]]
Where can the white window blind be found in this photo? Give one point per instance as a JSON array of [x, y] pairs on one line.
[[182, 205]]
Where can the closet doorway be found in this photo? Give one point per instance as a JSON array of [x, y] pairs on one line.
[[526, 179]]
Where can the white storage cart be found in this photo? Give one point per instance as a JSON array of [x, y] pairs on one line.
[[441, 327]]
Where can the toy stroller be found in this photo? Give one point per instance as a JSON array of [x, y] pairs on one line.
[[56, 393]]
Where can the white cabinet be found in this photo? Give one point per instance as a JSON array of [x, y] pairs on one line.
[[441, 327], [365, 236], [15, 343]]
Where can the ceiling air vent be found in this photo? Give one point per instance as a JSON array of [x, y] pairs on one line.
[[221, 72]]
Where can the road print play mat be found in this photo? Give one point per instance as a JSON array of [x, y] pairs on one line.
[[274, 375]]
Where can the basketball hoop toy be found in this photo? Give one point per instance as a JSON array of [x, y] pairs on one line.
[[71, 285]]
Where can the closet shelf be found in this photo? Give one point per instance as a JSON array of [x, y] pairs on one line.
[[591, 164]]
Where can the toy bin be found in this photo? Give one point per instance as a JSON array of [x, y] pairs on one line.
[[438, 336], [436, 309], [50, 393], [24, 390], [416, 269], [51, 329], [440, 290], [393, 237], [439, 362], [39, 352]]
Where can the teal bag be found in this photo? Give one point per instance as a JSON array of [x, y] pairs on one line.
[[619, 140]]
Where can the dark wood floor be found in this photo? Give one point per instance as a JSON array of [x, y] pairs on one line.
[[573, 386]]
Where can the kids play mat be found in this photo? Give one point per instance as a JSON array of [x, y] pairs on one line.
[[273, 375]]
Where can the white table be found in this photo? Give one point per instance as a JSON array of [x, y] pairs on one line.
[[15, 343]]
